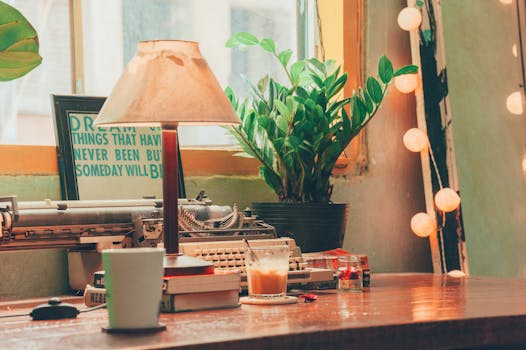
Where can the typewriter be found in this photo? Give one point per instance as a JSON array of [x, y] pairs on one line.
[[207, 231]]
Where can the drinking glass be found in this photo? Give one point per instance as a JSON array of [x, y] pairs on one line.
[[350, 276], [267, 269]]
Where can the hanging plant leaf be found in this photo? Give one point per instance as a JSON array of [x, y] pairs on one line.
[[18, 44]]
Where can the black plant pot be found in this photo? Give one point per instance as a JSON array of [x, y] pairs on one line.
[[314, 226]]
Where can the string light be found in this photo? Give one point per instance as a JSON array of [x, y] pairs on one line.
[[514, 103], [447, 199], [415, 140], [409, 18], [406, 83], [506, 2], [423, 225], [514, 50]]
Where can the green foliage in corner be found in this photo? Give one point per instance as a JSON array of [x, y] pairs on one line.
[[299, 129], [18, 44]]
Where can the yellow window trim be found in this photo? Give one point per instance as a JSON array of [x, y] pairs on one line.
[[42, 160], [346, 48]]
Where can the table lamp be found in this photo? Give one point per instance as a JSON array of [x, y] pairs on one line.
[[168, 83]]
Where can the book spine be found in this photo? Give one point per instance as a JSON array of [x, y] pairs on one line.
[[201, 283], [167, 303], [171, 303], [94, 296]]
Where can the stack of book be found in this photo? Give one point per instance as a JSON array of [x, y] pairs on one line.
[[200, 292], [183, 293]]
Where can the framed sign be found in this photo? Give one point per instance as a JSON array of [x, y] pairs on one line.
[[109, 162]]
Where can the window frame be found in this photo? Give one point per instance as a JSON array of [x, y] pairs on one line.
[[346, 47]]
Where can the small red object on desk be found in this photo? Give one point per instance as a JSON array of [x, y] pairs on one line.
[[308, 297]]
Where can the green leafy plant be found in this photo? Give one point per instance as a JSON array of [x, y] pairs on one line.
[[18, 44], [297, 131]]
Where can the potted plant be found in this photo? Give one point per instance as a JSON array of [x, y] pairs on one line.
[[297, 131]]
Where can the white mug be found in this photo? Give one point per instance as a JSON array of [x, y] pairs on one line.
[[133, 280]]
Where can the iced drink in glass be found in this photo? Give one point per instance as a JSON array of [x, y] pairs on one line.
[[267, 269]]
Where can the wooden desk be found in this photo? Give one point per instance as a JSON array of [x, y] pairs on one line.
[[404, 311]]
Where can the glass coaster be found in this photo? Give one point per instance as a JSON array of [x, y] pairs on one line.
[[270, 301]]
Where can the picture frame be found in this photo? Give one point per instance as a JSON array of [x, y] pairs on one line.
[[105, 163]]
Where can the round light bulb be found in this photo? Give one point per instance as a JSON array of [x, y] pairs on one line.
[[506, 2], [423, 225], [409, 18], [415, 140], [406, 83], [514, 103], [514, 50], [447, 199]]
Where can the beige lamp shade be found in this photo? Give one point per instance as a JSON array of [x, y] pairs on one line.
[[167, 83]]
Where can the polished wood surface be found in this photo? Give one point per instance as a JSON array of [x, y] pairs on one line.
[[399, 311]]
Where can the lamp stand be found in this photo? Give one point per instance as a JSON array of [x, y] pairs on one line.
[[175, 263]]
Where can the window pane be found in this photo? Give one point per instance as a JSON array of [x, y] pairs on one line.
[[25, 107], [113, 28]]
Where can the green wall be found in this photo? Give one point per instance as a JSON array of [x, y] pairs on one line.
[[30, 188], [489, 141]]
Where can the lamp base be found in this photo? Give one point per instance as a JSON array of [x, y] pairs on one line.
[[180, 265]]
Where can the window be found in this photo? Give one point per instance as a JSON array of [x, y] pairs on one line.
[[25, 107], [106, 34]]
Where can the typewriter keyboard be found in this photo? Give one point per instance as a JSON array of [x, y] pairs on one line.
[[231, 254]]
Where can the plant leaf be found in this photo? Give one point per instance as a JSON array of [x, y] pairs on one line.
[[318, 65], [369, 107], [268, 45], [18, 44], [385, 69], [301, 92], [374, 89], [284, 57], [336, 87], [263, 84], [272, 179], [358, 112], [284, 116], [410, 69], [296, 69], [232, 42], [242, 155], [246, 38], [317, 80]]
